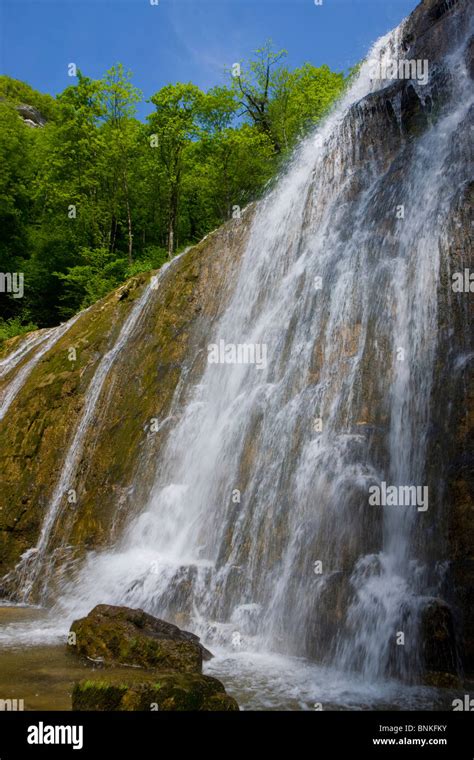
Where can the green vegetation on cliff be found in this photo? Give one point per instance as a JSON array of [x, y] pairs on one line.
[[91, 196]]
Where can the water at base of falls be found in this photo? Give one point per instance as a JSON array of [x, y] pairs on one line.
[[36, 667]]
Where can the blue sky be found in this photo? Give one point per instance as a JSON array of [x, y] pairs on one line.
[[182, 40]]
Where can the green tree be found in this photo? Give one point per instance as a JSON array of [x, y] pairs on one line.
[[300, 98], [121, 134], [254, 86], [281, 103], [92, 195], [173, 125], [16, 176]]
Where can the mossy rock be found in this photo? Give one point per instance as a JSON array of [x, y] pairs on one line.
[[169, 691], [119, 635], [438, 638], [442, 680]]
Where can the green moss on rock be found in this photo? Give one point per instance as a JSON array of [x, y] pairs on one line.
[[172, 692], [119, 635], [118, 449]]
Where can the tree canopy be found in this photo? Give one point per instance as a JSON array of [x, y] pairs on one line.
[[92, 195]]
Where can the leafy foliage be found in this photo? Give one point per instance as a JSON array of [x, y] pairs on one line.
[[94, 195]]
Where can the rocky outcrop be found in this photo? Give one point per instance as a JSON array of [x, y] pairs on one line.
[[118, 635], [168, 663], [165, 692], [445, 540], [439, 645], [117, 467], [31, 116]]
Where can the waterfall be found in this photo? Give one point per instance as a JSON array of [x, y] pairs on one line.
[[34, 561], [259, 530], [30, 342], [46, 341], [268, 469]]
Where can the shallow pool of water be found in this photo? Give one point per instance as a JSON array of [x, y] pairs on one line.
[[37, 667]]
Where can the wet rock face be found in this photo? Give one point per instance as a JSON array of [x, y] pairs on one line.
[[119, 635], [117, 467], [438, 642], [433, 29], [451, 440], [326, 616], [434, 26]]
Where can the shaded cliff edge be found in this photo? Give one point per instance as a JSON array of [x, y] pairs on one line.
[[433, 28], [383, 129]]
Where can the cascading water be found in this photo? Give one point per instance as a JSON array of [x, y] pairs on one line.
[[258, 530], [34, 560], [28, 344], [46, 341], [303, 490]]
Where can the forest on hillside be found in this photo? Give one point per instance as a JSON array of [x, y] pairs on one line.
[[92, 195]]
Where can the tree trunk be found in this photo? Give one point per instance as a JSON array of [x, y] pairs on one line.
[[173, 215], [170, 239], [130, 235], [113, 234], [129, 220]]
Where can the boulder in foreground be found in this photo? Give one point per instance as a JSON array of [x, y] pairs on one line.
[[120, 635], [164, 665], [168, 691]]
